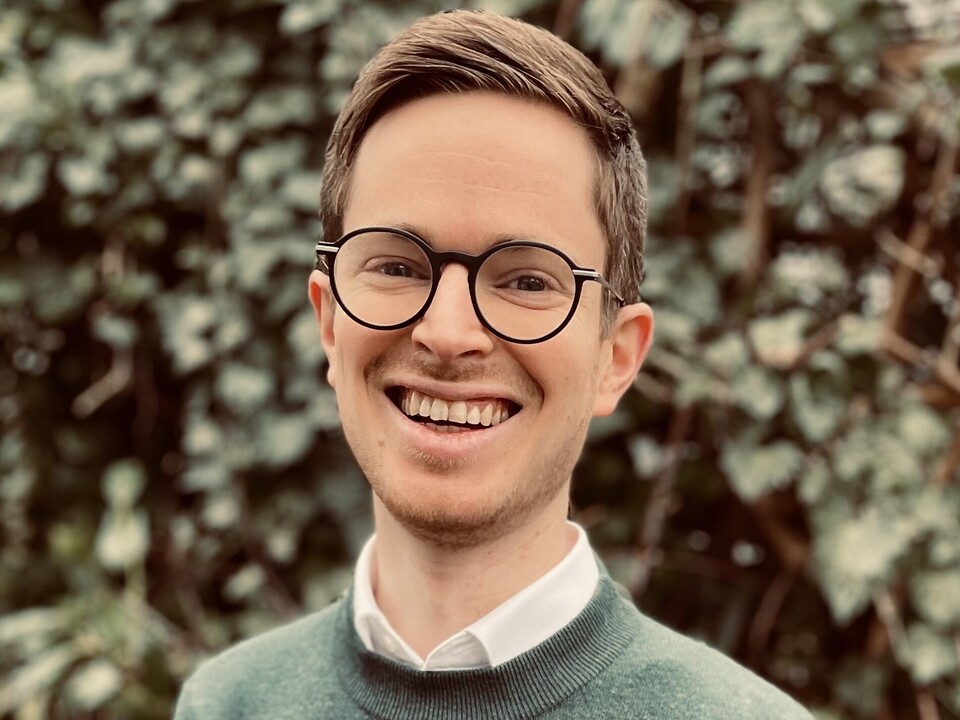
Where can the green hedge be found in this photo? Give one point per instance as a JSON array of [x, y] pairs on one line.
[[783, 482]]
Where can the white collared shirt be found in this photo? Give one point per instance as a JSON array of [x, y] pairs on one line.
[[521, 623]]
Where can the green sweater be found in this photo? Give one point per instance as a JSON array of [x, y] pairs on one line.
[[609, 662]]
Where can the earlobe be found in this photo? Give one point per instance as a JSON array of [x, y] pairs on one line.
[[321, 299], [627, 346]]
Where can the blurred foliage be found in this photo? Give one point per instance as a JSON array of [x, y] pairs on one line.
[[784, 483]]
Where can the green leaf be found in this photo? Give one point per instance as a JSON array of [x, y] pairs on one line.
[[727, 355], [27, 184], [35, 677], [301, 190], [279, 106], [25, 626], [755, 470], [931, 655], [123, 483], [817, 406], [244, 388], [727, 70], [668, 38], [282, 439], [854, 556], [771, 27], [93, 685], [814, 480], [247, 581], [123, 539], [758, 391], [116, 331], [858, 335], [616, 27], [779, 340], [301, 16], [936, 596], [925, 432], [863, 183]]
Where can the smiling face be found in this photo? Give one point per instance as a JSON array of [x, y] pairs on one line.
[[499, 426]]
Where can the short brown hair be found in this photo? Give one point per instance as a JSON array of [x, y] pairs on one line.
[[463, 51]]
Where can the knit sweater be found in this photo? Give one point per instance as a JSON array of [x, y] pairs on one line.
[[609, 662]]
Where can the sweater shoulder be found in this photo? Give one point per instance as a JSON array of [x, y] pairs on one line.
[[671, 676], [288, 662]]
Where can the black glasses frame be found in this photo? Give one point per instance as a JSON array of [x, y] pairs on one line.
[[327, 255]]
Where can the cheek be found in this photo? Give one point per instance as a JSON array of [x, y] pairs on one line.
[[565, 368]]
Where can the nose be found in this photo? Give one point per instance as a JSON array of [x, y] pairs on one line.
[[450, 328]]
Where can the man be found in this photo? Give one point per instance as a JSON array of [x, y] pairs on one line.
[[484, 213]]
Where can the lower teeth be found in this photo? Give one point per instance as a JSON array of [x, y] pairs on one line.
[[448, 428]]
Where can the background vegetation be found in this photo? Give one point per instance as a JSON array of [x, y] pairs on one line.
[[783, 483]]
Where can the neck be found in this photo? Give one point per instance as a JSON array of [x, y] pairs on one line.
[[430, 592]]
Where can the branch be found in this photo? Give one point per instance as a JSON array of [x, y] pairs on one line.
[[926, 705], [756, 212], [770, 606], [661, 503], [690, 85], [950, 462], [114, 382], [792, 549]]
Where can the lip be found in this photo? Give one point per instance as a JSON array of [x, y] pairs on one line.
[[455, 391], [452, 445]]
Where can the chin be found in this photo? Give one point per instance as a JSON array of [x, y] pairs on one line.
[[457, 513]]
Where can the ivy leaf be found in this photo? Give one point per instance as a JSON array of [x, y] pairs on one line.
[[779, 340], [35, 677], [93, 684], [863, 183], [282, 439], [771, 27], [123, 483], [27, 184], [727, 355], [758, 391], [931, 655], [854, 556], [727, 70], [923, 430], [668, 38], [936, 596], [123, 539], [755, 471], [301, 16], [858, 335], [817, 406], [244, 388]]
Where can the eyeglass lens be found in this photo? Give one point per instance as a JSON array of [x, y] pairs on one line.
[[385, 279]]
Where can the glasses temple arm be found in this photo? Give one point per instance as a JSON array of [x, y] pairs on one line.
[[593, 275]]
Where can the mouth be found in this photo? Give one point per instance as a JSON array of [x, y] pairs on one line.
[[446, 415]]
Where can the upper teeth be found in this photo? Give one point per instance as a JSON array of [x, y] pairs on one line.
[[487, 412]]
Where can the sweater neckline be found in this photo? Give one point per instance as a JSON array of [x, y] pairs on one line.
[[526, 686]]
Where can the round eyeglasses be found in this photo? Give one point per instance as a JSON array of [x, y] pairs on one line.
[[523, 292]]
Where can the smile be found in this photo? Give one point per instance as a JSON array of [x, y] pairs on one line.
[[452, 415]]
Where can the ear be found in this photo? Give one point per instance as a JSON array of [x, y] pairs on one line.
[[626, 348], [322, 300]]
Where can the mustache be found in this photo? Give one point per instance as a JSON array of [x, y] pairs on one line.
[[424, 364]]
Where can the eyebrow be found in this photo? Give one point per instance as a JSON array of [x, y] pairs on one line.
[[489, 240]]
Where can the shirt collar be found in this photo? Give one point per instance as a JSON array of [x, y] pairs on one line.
[[519, 624]]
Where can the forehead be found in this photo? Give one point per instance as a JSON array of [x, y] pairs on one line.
[[471, 169]]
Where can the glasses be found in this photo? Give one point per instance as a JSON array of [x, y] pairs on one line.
[[523, 292]]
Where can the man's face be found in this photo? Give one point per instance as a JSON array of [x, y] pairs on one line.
[[464, 172]]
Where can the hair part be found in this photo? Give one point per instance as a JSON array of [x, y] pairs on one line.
[[466, 51]]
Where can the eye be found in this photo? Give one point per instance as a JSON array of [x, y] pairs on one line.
[[395, 269], [527, 283]]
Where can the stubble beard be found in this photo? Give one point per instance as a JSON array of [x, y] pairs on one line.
[[458, 525], [544, 474]]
